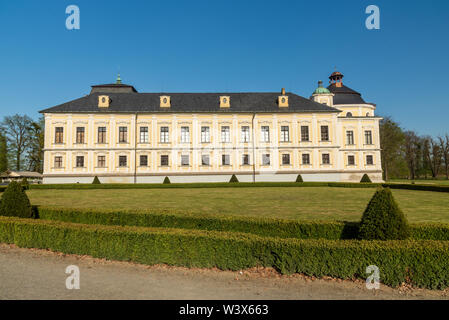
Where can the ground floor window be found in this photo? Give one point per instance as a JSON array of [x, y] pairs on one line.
[[143, 160], [101, 161], [286, 159], [245, 159], [326, 158], [266, 159], [184, 160], [225, 160], [351, 160], [164, 160], [58, 162], [122, 161], [369, 160], [205, 161], [305, 158], [79, 161]]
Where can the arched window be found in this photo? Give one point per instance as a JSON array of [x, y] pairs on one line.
[[349, 114]]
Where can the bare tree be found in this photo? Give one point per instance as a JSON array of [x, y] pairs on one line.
[[411, 144], [433, 156], [16, 128], [444, 146]]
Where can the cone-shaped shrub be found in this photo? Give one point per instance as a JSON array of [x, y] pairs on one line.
[[15, 202], [96, 180], [25, 184], [382, 219], [166, 180], [365, 178], [234, 179], [299, 178]]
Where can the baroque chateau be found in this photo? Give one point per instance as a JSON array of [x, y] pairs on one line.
[[124, 136]]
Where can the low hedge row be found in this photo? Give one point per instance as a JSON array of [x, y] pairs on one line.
[[420, 263], [437, 188], [259, 226]]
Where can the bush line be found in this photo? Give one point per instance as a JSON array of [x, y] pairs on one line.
[[266, 227], [421, 263]]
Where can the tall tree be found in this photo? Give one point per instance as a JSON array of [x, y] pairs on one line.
[[3, 153], [16, 129], [35, 151], [444, 146], [391, 144], [411, 146], [433, 156]]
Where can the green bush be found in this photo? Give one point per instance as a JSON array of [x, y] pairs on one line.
[[15, 202], [382, 219], [24, 183], [299, 178], [96, 180], [166, 180], [419, 263], [266, 227], [234, 179], [365, 179]]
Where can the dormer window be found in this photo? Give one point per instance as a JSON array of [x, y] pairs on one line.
[[225, 102], [165, 102], [283, 101], [103, 101], [349, 114]]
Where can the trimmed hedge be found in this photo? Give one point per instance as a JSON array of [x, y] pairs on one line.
[[15, 202], [233, 179], [365, 179], [419, 263], [266, 227]]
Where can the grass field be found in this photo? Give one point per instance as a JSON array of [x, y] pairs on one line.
[[442, 182], [322, 203]]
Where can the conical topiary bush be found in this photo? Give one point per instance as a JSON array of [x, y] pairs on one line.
[[15, 202], [234, 179], [365, 179], [382, 219], [166, 180], [96, 180], [299, 178], [25, 184]]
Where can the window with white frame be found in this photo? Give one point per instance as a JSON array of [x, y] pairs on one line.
[[351, 160], [245, 159], [325, 158], [324, 133], [143, 160], [225, 134], [225, 160], [369, 160], [286, 159], [185, 135], [101, 134], [205, 134], [101, 161], [185, 160], [305, 133], [349, 137], [285, 134], [143, 134], [245, 134], [265, 134], [122, 161], [164, 160], [58, 162], [205, 160], [164, 135], [79, 161], [266, 159], [368, 137], [305, 158]]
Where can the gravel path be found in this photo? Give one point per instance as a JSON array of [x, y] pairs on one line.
[[40, 274]]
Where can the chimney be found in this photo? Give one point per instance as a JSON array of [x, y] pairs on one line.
[[283, 91]]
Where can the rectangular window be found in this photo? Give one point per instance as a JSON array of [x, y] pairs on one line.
[[122, 161], [225, 160], [101, 161], [369, 160], [285, 134], [245, 159], [164, 160], [286, 159], [205, 134], [79, 161], [266, 159], [58, 162], [164, 135], [265, 134], [79, 134], [122, 134], [143, 160], [59, 135], [368, 137], [324, 133], [205, 160], [143, 134], [350, 137], [185, 135], [101, 134], [305, 133], [305, 158], [351, 160], [245, 134], [184, 160], [225, 134], [325, 158]]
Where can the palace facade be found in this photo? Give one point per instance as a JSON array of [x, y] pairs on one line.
[[123, 136]]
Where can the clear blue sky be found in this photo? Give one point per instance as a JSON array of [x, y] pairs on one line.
[[205, 46]]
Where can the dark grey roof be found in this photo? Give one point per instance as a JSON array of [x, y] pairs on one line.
[[345, 95], [113, 87], [189, 102]]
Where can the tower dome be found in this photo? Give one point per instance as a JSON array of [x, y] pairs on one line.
[[321, 89]]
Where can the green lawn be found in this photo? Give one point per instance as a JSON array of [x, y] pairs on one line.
[[321, 203]]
